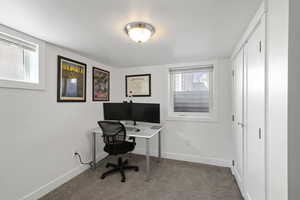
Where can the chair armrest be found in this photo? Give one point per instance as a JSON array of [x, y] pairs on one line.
[[132, 138]]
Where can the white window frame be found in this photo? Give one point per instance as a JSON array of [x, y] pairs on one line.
[[210, 116], [5, 83]]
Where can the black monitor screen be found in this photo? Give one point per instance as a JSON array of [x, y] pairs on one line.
[[146, 112], [117, 111]]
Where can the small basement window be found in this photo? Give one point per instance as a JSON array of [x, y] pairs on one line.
[[20, 60], [191, 92]]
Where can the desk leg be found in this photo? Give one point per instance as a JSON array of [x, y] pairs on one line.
[[147, 159], [159, 145], [94, 151]]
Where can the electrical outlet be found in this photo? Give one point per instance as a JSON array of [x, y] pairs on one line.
[[74, 152]]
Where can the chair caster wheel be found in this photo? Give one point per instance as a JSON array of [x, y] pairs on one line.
[[136, 169], [102, 177], [123, 180]]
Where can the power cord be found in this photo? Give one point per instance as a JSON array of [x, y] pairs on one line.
[[91, 164]]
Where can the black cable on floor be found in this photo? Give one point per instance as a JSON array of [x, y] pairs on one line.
[[91, 164]]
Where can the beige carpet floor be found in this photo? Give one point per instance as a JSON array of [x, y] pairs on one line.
[[170, 180]]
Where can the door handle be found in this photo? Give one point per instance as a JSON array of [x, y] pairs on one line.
[[259, 133], [241, 124]]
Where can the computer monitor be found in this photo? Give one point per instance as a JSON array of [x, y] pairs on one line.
[[146, 112], [117, 111]]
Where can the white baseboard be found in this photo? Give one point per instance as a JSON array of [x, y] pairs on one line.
[[188, 158], [43, 190], [199, 159], [248, 197], [141, 151], [238, 180]]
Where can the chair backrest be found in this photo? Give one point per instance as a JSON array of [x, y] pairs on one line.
[[113, 132]]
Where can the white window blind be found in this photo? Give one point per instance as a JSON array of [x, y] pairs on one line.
[[191, 89], [18, 60]]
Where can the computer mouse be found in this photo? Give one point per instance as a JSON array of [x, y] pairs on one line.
[[137, 130]]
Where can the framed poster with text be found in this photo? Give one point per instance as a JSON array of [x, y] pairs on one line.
[[100, 84], [71, 80], [138, 85]]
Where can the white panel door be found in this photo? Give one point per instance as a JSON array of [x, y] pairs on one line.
[[255, 115], [238, 121]]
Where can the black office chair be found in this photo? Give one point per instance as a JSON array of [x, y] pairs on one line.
[[114, 137]]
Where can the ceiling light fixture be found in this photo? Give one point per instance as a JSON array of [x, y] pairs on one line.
[[139, 31]]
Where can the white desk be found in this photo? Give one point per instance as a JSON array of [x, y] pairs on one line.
[[146, 132]]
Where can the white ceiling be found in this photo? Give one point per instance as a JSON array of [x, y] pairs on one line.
[[186, 30]]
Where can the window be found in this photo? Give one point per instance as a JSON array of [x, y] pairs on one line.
[[191, 91], [20, 60]]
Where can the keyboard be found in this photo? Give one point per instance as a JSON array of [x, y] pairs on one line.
[[155, 127], [131, 129]]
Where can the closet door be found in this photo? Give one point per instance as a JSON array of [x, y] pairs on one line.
[[255, 115], [238, 121]]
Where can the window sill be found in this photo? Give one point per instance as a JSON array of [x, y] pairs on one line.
[[14, 84], [21, 85], [211, 119]]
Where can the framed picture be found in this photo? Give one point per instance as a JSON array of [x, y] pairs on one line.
[[138, 85], [100, 84], [71, 80]]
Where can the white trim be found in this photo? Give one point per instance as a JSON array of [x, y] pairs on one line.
[[198, 159], [7, 39], [188, 157], [42, 63], [258, 20], [238, 180], [192, 68], [255, 20], [239, 175], [205, 117], [55, 183], [43, 190], [247, 196], [181, 64]]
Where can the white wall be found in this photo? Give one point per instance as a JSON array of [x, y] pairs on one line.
[[39, 135], [277, 39], [207, 142], [293, 102]]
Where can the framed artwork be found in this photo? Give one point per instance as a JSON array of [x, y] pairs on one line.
[[138, 85], [100, 84], [71, 80]]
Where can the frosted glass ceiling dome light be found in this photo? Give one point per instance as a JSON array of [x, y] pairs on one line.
[[139, 31]]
